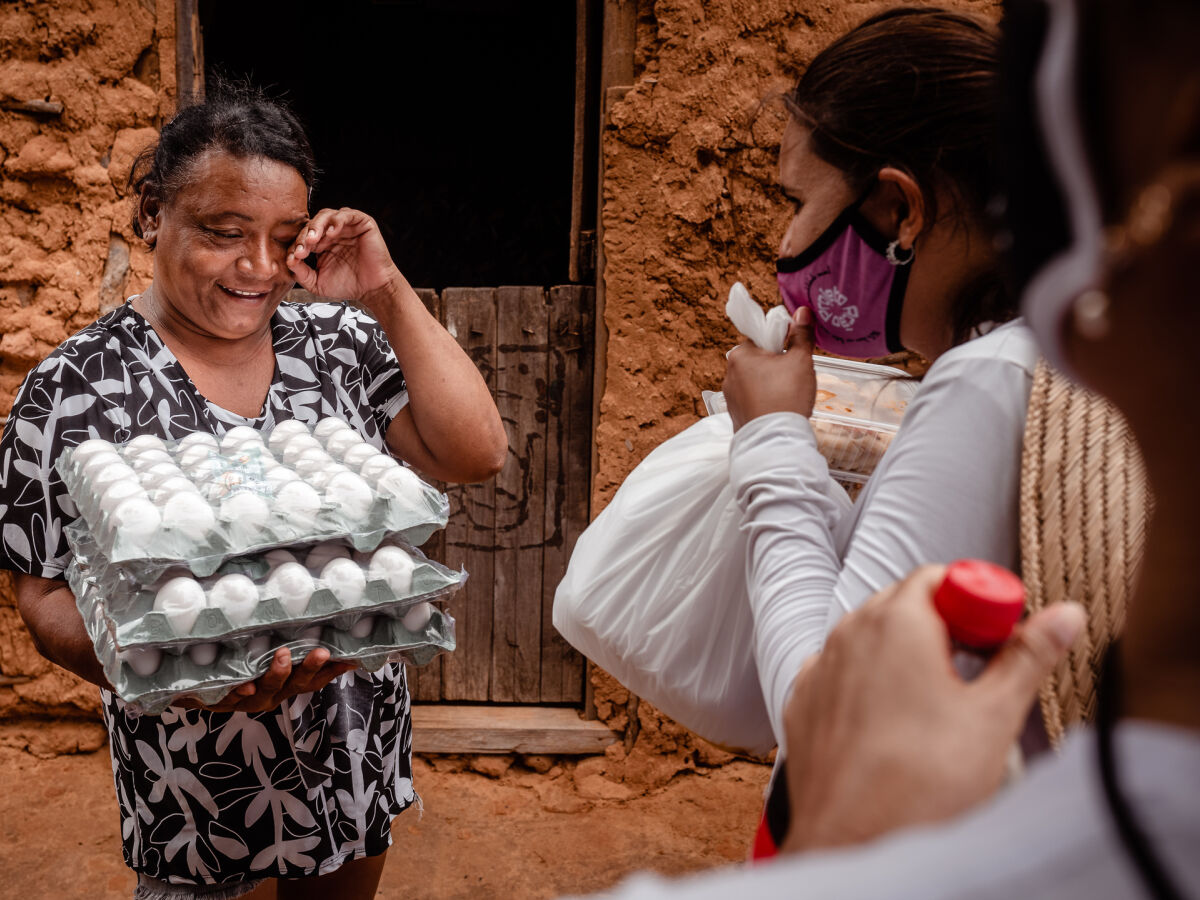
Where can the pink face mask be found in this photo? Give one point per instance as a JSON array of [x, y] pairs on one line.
[[855, 292]]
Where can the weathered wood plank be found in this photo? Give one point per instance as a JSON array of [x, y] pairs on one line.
[[470, 315], [581, 262], [506, 729], [568, 456], [520, 487], [425, 682]]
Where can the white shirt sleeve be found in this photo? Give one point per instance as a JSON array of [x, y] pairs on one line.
[[948, 488]]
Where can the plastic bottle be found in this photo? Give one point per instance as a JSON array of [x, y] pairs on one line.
[[980, 602]]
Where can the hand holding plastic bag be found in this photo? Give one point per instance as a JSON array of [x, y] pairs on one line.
[[655, 592]]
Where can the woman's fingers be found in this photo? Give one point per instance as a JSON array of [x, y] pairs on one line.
[[1013, 677], [800, 331]]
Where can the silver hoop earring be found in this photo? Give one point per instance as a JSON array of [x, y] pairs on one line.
[[899, 260], [1090, 315]]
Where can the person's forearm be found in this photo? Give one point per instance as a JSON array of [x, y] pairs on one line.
[[49, 611], [451, 409], [789, 506]]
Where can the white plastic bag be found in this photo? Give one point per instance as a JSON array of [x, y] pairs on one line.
[[655, 592]]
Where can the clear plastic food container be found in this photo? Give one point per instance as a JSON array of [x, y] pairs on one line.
[[858, 409], [857, 412]]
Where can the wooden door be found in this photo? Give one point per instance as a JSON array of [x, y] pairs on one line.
[[515, 533]]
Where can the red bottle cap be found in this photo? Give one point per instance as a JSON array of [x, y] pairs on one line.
[[980, 602]]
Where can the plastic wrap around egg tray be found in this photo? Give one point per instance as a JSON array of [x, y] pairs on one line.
[[202, 500], [178, 674], [206, 639], [299, 586]]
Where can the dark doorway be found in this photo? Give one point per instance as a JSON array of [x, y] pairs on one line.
[[450, 121]]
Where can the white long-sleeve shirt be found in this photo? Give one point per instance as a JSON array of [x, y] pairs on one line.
[[946, 489], [1049, 835]]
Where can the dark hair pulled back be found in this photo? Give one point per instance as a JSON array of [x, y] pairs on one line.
[[234, 117], [915, 88]]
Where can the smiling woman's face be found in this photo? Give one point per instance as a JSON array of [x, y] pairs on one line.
[[221, 241]]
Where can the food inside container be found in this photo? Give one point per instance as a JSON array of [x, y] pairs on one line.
[[858, 409], [856, 414]]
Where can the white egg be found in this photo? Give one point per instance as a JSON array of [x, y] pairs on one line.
[[253, 452], [297, 504], [205, 470], [293, 585], [417, 617], [98, 461], [402, 484], [144, 460], [285, 431], [193, 455], [328, 426], [257, 647], [236, 435], [172, 486], [158, 473], [189, 514], [339, 442], [374, 466], [197, 439], [105, 478], [248, 461], [393, 565], [362, 628], [245, 511], [85, 450], [312, 460], [345, 579], [278, 557], [236, 596], [297, 445], [145, 442], [121, 490], [350, 495], [180, 599], [143, 660], [278, 476], [322, 553], [358, 454], [136, 519], [312, 633], [204, 654]]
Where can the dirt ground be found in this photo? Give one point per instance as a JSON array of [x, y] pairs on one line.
[[520, 835]]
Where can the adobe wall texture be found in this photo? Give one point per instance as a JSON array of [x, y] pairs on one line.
[[66, 249]]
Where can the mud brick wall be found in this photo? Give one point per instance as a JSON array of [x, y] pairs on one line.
[[83, 87]]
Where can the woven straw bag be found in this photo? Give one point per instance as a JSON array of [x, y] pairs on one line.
[[1085, 505]]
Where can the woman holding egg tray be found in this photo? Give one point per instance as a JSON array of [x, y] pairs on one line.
[[212, 349]]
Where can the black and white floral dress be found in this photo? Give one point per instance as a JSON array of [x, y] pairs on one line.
[[210, 798]]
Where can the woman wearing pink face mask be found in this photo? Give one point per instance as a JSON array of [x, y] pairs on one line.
[[888, 158]]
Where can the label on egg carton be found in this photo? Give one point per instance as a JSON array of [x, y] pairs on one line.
[[152, 679], [200, 500], [129, 608]]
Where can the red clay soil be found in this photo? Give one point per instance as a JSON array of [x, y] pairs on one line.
[[523, 834]]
